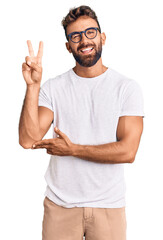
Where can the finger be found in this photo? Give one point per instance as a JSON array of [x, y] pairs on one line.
[[27, 58], [40, 52], [42, 146], [61, 134], [34, 66], [25, 67], [49, 151], [44, 141], [30, 48]]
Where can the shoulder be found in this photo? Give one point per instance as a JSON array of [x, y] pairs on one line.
[[59, 79], [56, 81], [123, 81], [119, 77]]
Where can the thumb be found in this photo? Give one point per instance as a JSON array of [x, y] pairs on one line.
[[61, 134], [57, 131], [34, 66]]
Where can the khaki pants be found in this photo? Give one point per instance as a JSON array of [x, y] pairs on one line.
[[61, 223]]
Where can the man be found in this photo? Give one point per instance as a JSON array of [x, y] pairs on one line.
[[98, 118]]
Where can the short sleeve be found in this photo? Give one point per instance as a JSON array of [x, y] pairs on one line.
[[132, 103], [45, 98]]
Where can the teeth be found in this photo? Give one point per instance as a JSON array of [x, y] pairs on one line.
[[86, 49]]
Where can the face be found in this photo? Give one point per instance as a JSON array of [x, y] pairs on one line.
[[87, 58]]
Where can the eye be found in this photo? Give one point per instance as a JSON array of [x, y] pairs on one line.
[[91, 33], [75, 35]]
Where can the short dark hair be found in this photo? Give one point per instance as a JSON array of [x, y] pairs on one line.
[[75, 13]]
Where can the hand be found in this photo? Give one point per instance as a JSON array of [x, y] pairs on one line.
[[61, 146], [32, 68]]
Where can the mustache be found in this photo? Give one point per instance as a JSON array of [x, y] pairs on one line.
[[85, 46]]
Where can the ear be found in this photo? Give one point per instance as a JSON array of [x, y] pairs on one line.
[[68, 47], [103, 38]]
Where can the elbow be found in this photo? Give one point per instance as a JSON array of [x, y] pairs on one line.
[[27, 142], [25, 145], [131, 160], [131, 157]]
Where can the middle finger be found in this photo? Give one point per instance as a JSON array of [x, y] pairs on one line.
[[40, 52]]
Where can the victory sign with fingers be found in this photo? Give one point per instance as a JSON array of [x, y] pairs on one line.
[[32, 68]]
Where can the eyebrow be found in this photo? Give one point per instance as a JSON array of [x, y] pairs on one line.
[[82, 30]]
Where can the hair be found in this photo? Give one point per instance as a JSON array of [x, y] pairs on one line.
[[75, 13]]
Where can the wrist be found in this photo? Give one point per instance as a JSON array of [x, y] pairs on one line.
[[33, 87], [77, 150]]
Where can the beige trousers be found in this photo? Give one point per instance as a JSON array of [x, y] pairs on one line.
[[61, 223]]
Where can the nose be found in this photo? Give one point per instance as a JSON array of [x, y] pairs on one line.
[[84, 38]]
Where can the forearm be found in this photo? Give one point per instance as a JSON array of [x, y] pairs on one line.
[[115, 152], [29, 130]]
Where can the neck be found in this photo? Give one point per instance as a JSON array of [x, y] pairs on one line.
[[89, 72]]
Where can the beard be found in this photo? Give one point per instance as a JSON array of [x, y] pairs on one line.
[[90, 59]]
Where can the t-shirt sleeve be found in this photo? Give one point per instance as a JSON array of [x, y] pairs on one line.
[[45, 98], [132, 100]]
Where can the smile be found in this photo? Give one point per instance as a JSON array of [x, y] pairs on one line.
[[86, 50]]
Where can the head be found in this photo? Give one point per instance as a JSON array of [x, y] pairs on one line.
[[77, 20]]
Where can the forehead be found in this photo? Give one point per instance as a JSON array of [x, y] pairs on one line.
[[81, 24]]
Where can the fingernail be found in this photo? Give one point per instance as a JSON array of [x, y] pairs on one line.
[[29, 63], [34, 145]]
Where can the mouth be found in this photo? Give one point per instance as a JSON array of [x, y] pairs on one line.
[[86, 50]]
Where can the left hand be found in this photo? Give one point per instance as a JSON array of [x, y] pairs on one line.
[[61, 146]]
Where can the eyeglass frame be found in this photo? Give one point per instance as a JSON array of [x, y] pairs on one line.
[[69, 35]]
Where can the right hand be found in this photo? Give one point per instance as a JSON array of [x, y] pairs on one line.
[[32, 73]]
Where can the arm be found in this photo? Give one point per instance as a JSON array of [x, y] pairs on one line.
[[34, 121], [29, 123], [129, 132]]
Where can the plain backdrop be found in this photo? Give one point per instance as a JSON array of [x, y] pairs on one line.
[[134, 39]]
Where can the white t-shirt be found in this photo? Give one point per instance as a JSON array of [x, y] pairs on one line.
[[87, 111]]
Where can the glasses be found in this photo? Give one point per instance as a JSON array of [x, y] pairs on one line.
[[89, 33]]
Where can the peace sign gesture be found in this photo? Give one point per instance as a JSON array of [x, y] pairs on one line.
[[32, 68]]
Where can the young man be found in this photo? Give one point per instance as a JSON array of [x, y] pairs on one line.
[[99, 117]]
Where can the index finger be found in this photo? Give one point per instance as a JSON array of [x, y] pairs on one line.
[[47, 146], [30, 48], [43, 142], [40, 50]]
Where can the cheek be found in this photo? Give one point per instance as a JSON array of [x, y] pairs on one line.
[[73, 48]]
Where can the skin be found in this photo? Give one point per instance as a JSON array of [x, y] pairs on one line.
[[34, 121], [81, 24], [129, 128], [32, 68]]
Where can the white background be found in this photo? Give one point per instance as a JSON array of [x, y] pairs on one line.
[[134, 40]]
